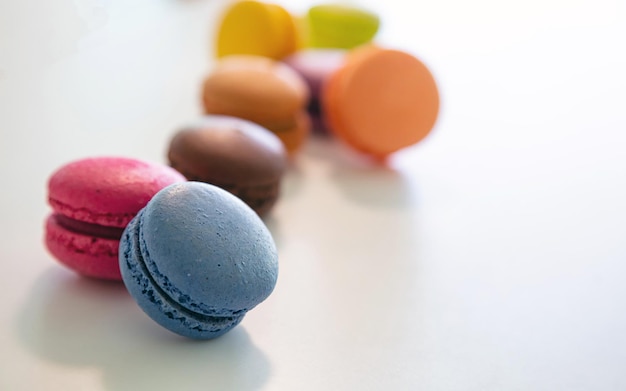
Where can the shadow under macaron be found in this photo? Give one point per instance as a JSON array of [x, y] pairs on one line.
[[363, 179], [86, 323]]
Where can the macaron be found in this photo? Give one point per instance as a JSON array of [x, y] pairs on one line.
[[316, 66], [261, 90], [258, 28], [196, 259], [335, 25], [381, 100], [93, 199], [232, 153]]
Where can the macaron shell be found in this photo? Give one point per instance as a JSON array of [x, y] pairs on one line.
[[214, 255], [254, 88], [107, 190], [381, 101], [86, 255], [252, 27]]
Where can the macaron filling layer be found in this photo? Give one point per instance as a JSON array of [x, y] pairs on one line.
[[136, 261], [88, 229], [88, 214]]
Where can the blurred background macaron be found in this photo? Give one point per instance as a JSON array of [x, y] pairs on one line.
[[258, 28], [338, 25], [381, 100], [316, 66], [93, 199], [234, 154], [260, 90]]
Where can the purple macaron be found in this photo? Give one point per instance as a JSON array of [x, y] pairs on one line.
[[316, 66]]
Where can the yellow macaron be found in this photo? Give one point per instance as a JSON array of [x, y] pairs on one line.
[[257, 28]]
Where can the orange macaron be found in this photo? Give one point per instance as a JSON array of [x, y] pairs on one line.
[[381, 100], [260, 90]]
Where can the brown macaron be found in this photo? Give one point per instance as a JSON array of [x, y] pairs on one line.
[[263, 91], [232, 153]]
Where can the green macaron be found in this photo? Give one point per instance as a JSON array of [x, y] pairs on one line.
[[340, 26]]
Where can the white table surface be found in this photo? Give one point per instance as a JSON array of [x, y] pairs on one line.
[[491, 256]]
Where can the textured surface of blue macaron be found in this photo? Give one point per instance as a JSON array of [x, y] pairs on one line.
[[197, 258]]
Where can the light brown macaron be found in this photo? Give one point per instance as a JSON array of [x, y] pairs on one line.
[[260, 90], [232, 153]]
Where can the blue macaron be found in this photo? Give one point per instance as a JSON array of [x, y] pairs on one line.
[[197, 259]]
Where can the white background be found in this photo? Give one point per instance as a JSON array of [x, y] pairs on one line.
[[491, 256]]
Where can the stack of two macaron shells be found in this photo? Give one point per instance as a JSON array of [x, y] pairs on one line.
[[234, 154], [260, 90], [93, 200]]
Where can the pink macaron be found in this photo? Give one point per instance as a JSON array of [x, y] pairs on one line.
[[93, 200]]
